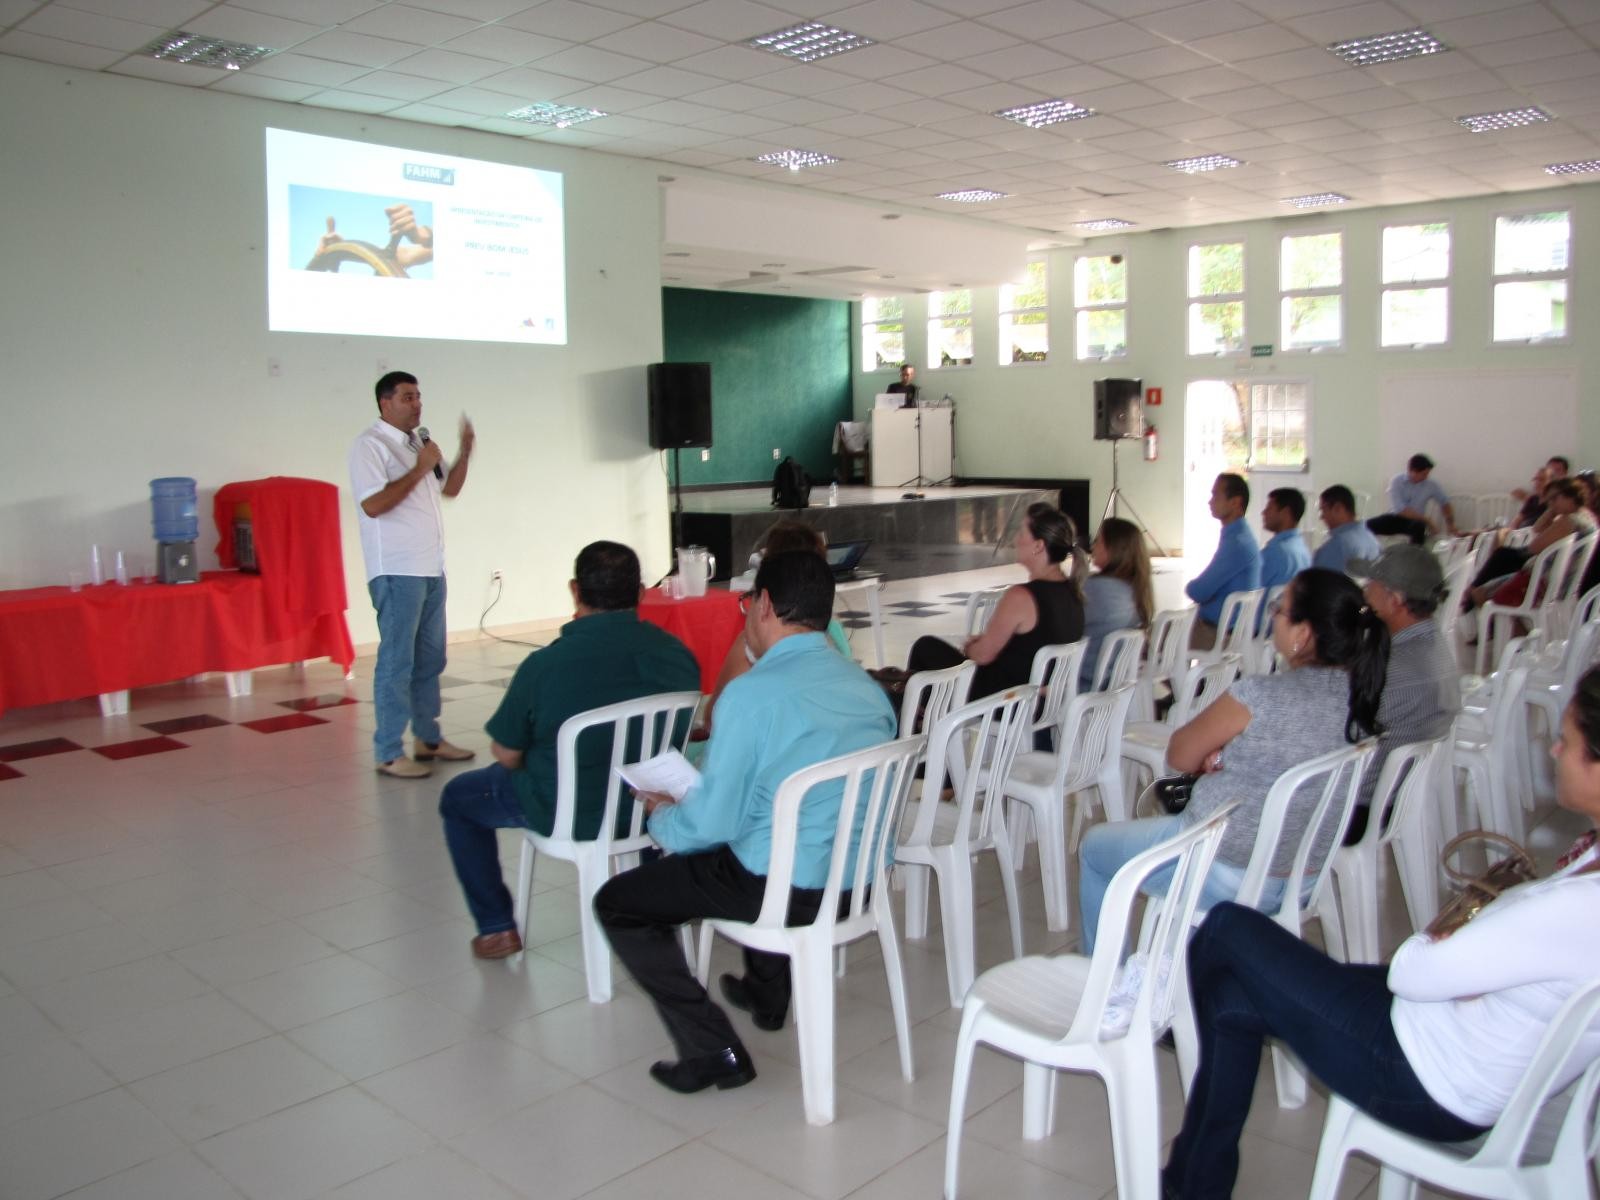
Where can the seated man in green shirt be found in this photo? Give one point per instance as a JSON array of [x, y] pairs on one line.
[[603, 656]]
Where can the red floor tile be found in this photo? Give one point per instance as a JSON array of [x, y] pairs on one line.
[[311, 703], [140, 747], [186, 724], [279, 724], [9, 773], [21, 750]]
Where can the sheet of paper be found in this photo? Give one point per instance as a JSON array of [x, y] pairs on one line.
[[670, 773]]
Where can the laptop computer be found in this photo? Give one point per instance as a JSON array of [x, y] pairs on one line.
[[845, 557]]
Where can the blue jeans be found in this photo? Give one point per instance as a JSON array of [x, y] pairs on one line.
[[1252, 980], [1108, 846], [405, 683], [473, 805]]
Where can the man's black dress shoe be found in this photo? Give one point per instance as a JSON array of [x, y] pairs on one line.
[[736, 993], [727, 1068]]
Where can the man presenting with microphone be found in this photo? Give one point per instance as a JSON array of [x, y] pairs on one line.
[[397, 476]]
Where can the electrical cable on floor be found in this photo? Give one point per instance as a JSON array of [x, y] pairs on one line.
[[499, 589]]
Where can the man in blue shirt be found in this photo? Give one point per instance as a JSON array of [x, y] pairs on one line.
[[1410, 493], [1347, 537], [1235, 567], [1286, 554], [802, 702]]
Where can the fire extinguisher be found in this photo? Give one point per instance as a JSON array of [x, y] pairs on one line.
[[1152, 444]]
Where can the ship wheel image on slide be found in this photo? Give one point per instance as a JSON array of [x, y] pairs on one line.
[[409, 245]]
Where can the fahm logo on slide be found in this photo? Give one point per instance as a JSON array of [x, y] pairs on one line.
[[424, 173]]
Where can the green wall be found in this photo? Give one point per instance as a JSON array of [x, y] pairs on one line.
[[780, 378]]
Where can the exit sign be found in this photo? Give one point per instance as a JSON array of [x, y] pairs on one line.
[[1261, 351]]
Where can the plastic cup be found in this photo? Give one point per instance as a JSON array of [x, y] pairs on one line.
[[75, 580], [122, 569]]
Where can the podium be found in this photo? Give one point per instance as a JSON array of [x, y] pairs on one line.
[[894, 444]]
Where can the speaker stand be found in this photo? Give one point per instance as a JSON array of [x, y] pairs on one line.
[[677, 505], [919, 479], [950, 478], [1117, 497]]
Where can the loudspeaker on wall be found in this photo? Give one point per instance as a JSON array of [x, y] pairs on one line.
[[680, 405], [1117, 409]]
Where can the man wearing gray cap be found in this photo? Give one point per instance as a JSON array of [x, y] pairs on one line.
[[1422, 691]]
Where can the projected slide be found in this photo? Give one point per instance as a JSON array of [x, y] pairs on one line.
[[378, 240]]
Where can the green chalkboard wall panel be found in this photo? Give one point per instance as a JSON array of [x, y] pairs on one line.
[[780, 376]]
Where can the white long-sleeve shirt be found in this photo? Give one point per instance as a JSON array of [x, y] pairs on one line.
[[1469, 1010]]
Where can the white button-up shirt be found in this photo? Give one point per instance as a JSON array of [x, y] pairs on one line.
[[409, 538]]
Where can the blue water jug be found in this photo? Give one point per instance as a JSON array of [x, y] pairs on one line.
[[173, 512]]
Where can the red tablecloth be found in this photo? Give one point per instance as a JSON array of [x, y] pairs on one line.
[[706, 624], [295, 526], [57, 644]]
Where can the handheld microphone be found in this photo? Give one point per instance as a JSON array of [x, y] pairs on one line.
[[422, 436]]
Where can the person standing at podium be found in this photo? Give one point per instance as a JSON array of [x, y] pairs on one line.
[[905, 387], [398, 478]]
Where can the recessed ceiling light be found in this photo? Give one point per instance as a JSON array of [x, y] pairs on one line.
[[795, 159], [560, 116], [1105, 223], [1315, 200], [1509, 119], [196, 50], [1387, 47], [1205, 162], [973, 196], [1045, 112], [809, 41], [1582, 167]]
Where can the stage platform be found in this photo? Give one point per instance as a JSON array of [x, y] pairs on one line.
[[950, 529]]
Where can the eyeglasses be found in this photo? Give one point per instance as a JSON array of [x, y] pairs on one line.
[[745, 600], [1278, 608]]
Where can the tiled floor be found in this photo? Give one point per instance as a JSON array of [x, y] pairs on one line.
[[234, 962]]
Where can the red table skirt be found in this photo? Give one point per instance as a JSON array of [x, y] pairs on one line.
[[56, 644], [706, 624]]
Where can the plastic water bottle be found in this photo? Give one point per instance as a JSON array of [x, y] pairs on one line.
[[833, 494], [173, 511]]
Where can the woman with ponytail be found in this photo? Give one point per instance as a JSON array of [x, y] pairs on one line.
[[1047, 610], [1337, 651]]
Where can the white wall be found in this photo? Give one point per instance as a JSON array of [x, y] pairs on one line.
[[134, 318]]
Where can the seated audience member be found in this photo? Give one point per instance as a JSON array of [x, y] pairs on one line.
[[1236, 565], [1336, 650], [1556, 467], [1286, 554], [1565, 514], [1422, 690], [784, 536], [605, 654], [1410, 493], [1118, 595], [1433, 1044], [1591, 577], [1047, 610], [800, 704], [1347, 537]]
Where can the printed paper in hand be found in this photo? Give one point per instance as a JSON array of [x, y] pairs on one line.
[[670, 773]]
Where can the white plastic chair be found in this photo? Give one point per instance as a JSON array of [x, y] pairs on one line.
[[867, 589], [875, 784], [1260, 656], [659, 722], [1448, 615], [1056, 671], [1170, 630], [981, 606], [1558, 618], [1487, 751], [1401, 819], [930, 695], [1053, 1014], [1336, 776], [973, 747], [1545, 575], [1236, 626], [1117, 664], [1086, 756], [1144, 743], [1549, 688], [1497, 509], [1509, 1161]]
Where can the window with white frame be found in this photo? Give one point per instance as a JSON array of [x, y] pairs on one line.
[[1216, 298], [883, 332], [1415, 308], [1532, 263], [1025, 318], [1279, 417], [1100, 305], [950, 328], [1311, 283]]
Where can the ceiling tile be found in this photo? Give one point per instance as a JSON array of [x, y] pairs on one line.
[[591, 64], [1445, 86], [504, 44], [742, 124], [396, 86], [911, 137], [1070, 82], [169, 14], [569, 21], [248, 83], [1297, 64], [90, 29], [255, 29], [410, 24], [668, 81], [1244, 100], [351, 102], [608, 98], [1046, 18], [531, 83], [655, 42], [937, 80], [994, 97], [1370, 100], [1202, 83], [861, 97], [1530, 50], [676, 112], [479, 10], [1019, 60], [799, 111], [479, 101], [302, 68], [856, 124], [1550, 70], [1243, 44], [959, 40], [452, 68], [1151, 64], [741, 97], [736, 62], [1472, 32], [1106, 41], [1200, 20], [1112, 100], [1335, 83], [165, 71], [806, 79], [54, 50], [1359, 20], [648, 9], [731, 20], [879, 62], [356, 48], [883, 20]]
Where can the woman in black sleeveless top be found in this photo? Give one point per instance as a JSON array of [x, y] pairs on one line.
[[1047, 610]]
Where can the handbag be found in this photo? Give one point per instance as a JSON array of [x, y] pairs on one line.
[[1477, 891], [1172, 792]]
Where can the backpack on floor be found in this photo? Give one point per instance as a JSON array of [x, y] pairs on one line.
[[791, 486]]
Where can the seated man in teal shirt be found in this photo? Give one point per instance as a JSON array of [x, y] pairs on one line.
[[800, 704], [603, 656]]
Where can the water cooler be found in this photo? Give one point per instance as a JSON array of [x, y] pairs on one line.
[[176, 521]]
